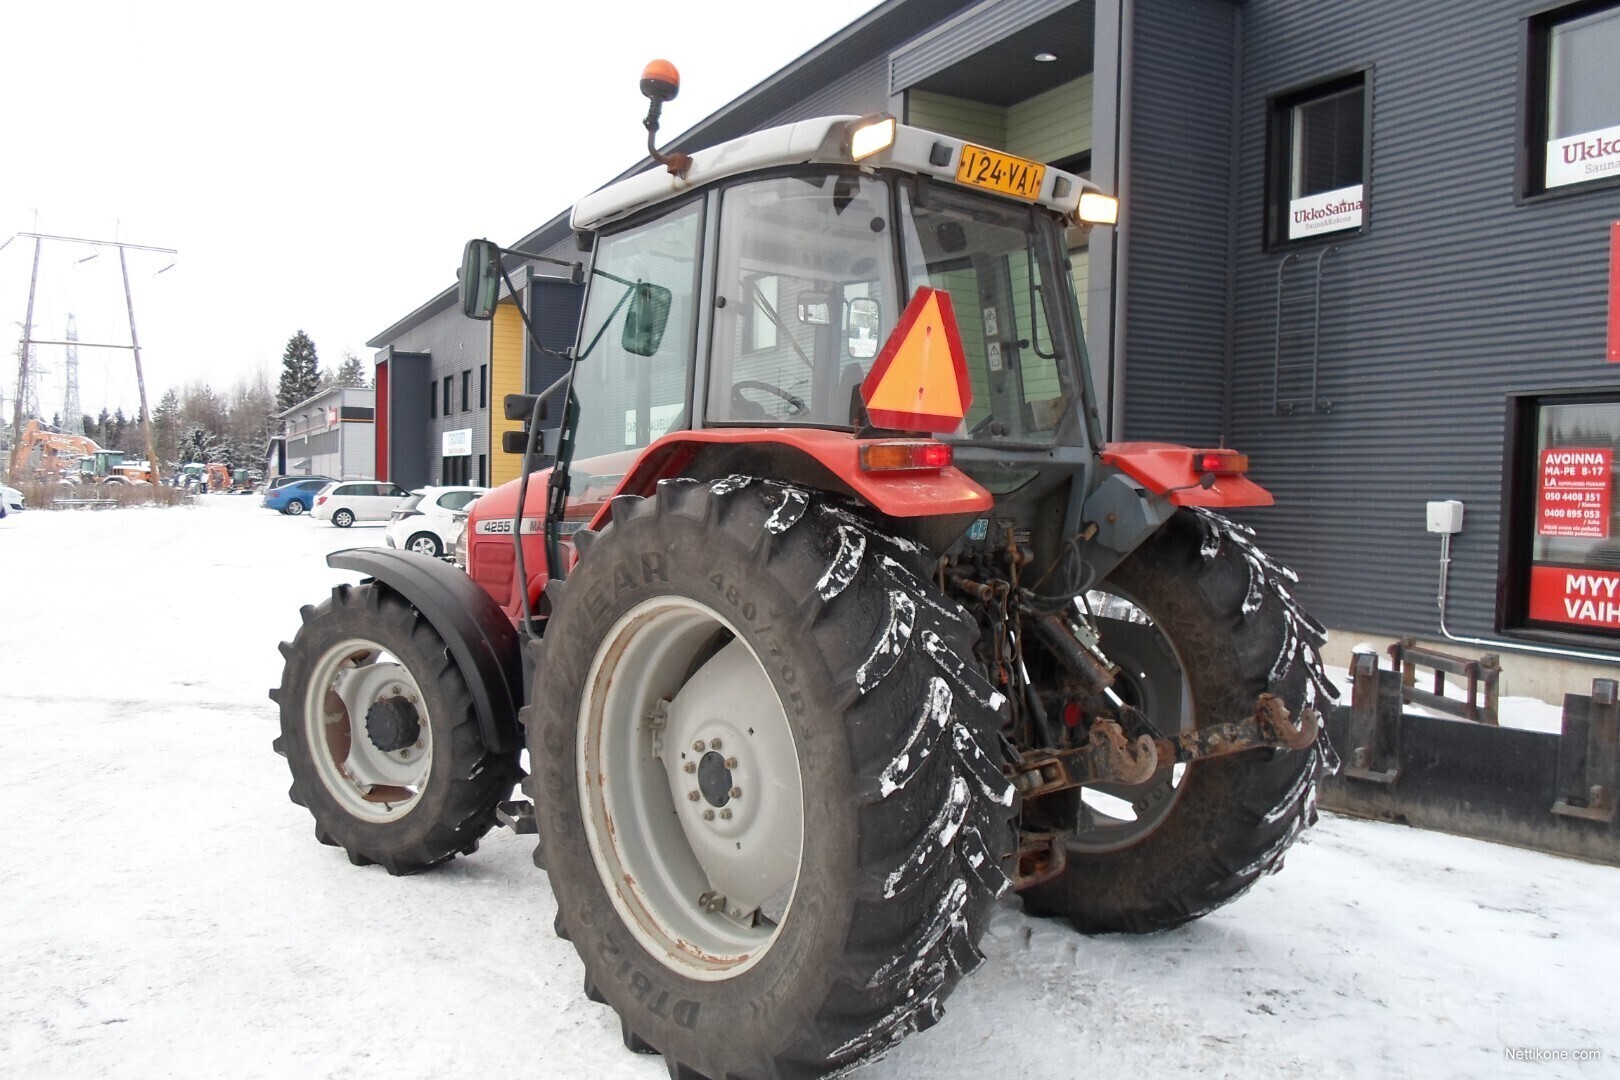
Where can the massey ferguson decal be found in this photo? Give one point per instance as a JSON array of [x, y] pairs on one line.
[[1573, 495]]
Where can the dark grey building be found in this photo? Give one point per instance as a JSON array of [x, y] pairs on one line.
[[1366, 242]]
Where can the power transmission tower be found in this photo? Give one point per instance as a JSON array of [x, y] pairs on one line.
[[28, 339], [72, 415]]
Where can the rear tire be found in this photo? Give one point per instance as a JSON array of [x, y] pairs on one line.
[[1232, 818], [756, 615], [293, 508], [342, 518], [381, 736]]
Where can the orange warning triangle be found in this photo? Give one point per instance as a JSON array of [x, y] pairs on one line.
[[919, 381]]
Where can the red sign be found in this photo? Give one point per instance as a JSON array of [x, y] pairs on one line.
[[1573, 496], [1560, 594]]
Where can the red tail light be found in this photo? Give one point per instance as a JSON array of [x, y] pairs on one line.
[[319, 499], [905, 454], [1221, 462]]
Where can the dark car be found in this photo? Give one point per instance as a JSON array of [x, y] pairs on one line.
[[296, 497]]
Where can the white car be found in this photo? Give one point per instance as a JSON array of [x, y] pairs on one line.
[[11, 501], [349, 501], [423, 523]]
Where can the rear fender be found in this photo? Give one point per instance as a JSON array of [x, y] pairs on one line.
[[931, 506], [482, 640], [1168, 469]]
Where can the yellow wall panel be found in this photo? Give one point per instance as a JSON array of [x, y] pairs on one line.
[[505, 377]]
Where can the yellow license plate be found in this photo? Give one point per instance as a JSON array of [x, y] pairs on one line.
[[1000, 172]]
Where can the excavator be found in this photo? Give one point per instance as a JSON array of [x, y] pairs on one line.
[[43, 453]]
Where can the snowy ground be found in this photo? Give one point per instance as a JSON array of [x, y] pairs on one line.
[[165, 911]]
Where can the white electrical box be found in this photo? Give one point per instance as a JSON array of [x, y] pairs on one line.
[[1445, 517]]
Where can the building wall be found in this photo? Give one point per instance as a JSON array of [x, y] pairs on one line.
[[1176, 306], [1456, 294]]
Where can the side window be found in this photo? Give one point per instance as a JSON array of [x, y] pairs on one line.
[[1575, 96], [1318, 161], [642, 300]]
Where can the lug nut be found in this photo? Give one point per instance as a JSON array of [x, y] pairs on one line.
[[736, 793], [731, 763], [714, 744], [725, 815], [693, 796], [708, 815], [698, 746], [689, 767]]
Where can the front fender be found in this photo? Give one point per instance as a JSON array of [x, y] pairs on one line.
[[482, 640]]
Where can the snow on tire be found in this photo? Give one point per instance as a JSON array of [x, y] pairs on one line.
[[772, 817], [1225, 611], [380, 734]]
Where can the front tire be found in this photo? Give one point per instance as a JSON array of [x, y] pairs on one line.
[[381, 736], [770, 797], [342, 518], [294, 508], [1222, 630]]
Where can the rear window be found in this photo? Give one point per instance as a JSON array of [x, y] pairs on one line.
[[410, 503], [456, 500]]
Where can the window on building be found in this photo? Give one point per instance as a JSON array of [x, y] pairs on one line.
[[433, 404], [483, 386], [1564, 550], [453, 469], [1575, 95], [466, 387], [481, 474], [447, 395], [1318, 161]]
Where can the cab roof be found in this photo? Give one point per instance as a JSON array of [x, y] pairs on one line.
[[823, 140]]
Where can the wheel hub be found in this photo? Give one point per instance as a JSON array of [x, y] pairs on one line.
[[714, 779], [393, 724]]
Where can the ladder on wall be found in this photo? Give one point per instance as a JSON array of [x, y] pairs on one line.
[[1297, 351]]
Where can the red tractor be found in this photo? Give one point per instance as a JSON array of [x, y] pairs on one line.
[[823, 612]]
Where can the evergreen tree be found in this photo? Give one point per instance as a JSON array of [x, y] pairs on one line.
[[350, 373], [103, 423], [300, 372], [166, 428]]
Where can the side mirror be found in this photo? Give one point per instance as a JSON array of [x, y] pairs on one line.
[[864, 319], [645, 319], [480, 278]]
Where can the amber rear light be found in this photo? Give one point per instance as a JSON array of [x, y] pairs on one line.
[[901, 455], [1221, 462]]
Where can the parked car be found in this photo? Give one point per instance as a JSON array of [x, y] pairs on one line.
[[293, 499], [11, 501], [423, 523], [293, 478], [350, 501]]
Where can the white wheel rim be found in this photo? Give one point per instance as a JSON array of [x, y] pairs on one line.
[[706, 882], [369, 782]]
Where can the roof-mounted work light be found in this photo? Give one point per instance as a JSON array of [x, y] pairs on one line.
[[870, 134], [1098, 209]]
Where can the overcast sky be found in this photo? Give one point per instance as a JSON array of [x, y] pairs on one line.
[[318, 164]]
